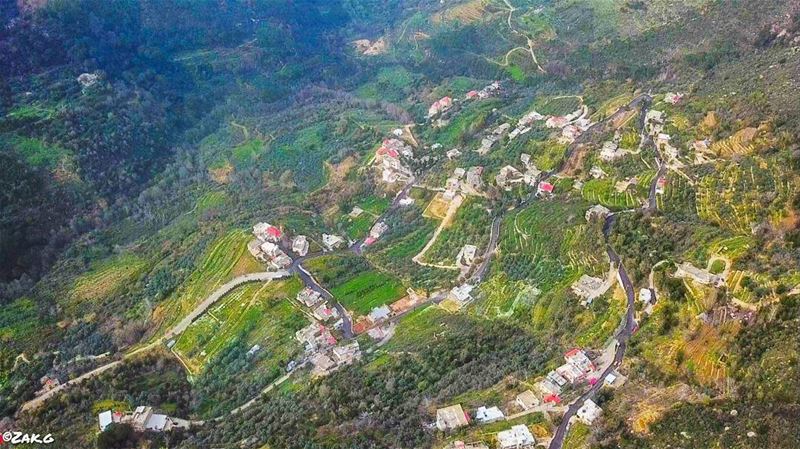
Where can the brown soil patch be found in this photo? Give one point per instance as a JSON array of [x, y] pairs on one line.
[[221, 175]]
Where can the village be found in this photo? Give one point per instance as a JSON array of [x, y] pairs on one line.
[[328, 340]]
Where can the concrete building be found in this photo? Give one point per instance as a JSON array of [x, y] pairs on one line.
[[300, 245], [517, 437], [450, 418], [598, 212], [527, 400], [488, 415], [588, 288], [589, 412], [705, 277]]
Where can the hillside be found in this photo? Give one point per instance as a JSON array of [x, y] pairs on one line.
[[313, 224]]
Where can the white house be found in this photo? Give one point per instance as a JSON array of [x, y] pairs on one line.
[[488, 415], [589, 412], [517, 437]]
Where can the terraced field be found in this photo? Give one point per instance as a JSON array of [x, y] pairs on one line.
[[260, 314], [224, 259], [733, 198], [560, 105], [541, 243], [106, 278], [603, 191], [470, 226]]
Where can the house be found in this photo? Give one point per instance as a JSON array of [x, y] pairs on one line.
[[471, 95], [142, 419], [325, 313], [332, 241], [406, 201], [300, 245], [461, 294], [379, 314], [281, 260], [588, 288], [660, 185], [556, 378], [577, 358], [315, 336], [662, 140], [309, 297], [525, 158], [611, 152], [254, 247], [598, 212], [346, 354], [269, 249], [488, 415], [267, 233], [527, 400], [487, 143], [474, 181], [467, 255], [571, 373], [532, 175], [378, 230], [645, 295], [459, 173], [454, 153], [544, 187], [356, 212], [597, 172], [517, 437], [440, 106], [253, 350], [450, 189], [105, 419], [548, 388], [529, 118], [589, 412], [450, 418], [397, 132], [508, 175], [502, 129], [673, 98], [322, 364], [569, 133], [556, 122], [687, 270]]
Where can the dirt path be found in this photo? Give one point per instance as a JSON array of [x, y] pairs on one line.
[[448, 219]]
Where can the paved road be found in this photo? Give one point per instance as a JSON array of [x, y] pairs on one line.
[[622, 344], [494, 235]]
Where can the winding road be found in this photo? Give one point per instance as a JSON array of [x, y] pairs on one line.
[[622, 344]]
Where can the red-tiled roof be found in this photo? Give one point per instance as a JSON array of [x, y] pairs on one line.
[[273, 231], [546, 187]]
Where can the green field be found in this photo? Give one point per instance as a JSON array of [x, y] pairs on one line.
[[548, 242], [255, 313], [216, 266], [106, 278], [368, 290], [19, 320], [602, 191], [359, 227]]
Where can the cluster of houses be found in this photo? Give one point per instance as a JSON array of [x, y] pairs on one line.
[[484, 93], [266, 246], [468, 181], [141, 419], [322, 350], [509, 175], [588, 288], [320, 308], [445, 103], [454, 417], [576, 368], [388, 158]]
